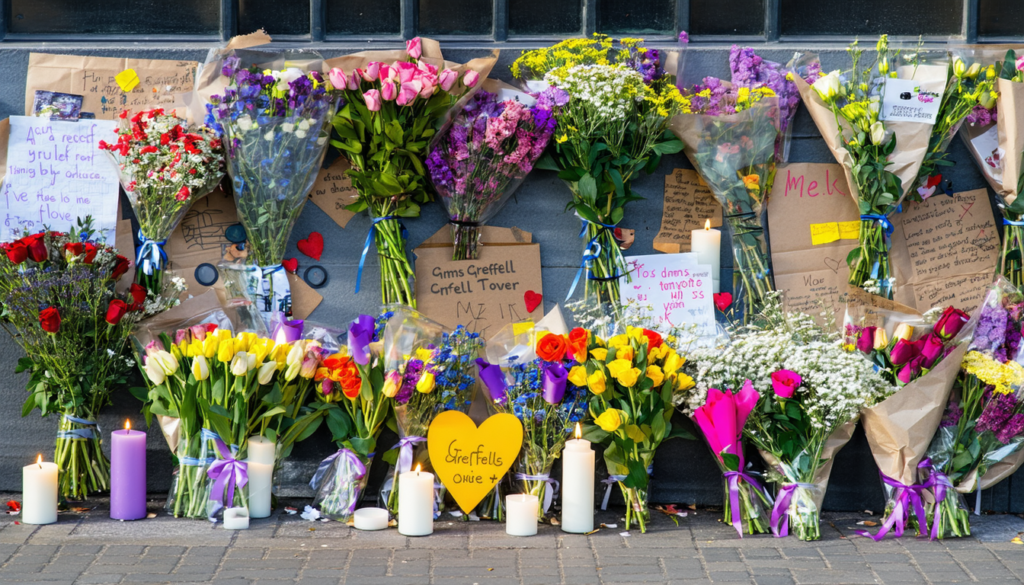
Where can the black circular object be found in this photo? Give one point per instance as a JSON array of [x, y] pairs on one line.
[[315, 276], [206, 274], [235, 234]]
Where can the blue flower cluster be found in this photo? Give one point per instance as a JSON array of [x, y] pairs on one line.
[[454, 361], [380, 323], [528, 404]]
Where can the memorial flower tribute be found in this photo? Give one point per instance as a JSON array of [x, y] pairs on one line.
[[60, 306]]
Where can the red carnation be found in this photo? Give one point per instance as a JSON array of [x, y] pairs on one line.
[[16, 252], [149, 149], [165, 139], [120, 267], [116, 310], [49, 319]]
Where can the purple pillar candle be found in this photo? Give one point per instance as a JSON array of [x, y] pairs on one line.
[[128, 474]]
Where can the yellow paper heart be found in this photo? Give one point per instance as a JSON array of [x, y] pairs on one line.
[[470, 460]]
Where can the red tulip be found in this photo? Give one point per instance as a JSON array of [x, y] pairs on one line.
[[49, 319], [116, 310]]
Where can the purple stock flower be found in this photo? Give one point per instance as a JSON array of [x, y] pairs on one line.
[[412, 375], [1013, 427], [997, 413], [951, 417]]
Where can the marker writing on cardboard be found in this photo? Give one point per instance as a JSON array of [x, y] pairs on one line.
[[475, 273]]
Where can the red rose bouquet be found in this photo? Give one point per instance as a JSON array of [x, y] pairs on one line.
[[60, 306], [164, 166]]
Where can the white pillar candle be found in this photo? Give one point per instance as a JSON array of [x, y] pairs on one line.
[[261, 450], [707, 245], [521, 514], [236, 518], [39, 493], [577, 485], [416, 503], [372, 518], [261, 479]]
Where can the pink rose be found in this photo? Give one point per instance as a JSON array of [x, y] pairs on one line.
[[470, 78], [388, 91], [911, 370], [338, 78], [413, 47], [950, 323], [866, 342], [930, 348], [373, 70], [372, 99], [447, 79], [785, 383], [408, 92], [902, 352]]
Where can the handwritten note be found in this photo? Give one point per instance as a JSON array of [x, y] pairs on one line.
[[948, 252], [810, 268], [688, 203], [678, 290], [55, 175], [333, 190]]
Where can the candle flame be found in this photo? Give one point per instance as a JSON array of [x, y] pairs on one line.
[[39, 460], [418, 469], [127, 425], [707, 224], [579, 431]]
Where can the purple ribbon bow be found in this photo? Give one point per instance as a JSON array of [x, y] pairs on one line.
[[226, 473], [549, 493], [610, 482], [908, 499], [733, 479], [360, 334], [405, 446], [780, 511], [493, 379], [939, 483]]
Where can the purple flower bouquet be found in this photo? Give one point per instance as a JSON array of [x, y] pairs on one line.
[[484, 155]]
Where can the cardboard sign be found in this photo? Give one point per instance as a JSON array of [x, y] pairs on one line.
[[158, 83], [483, 294], [678, 290], [688, 204], [333, 190], [471, 460], [55, 175], [948, 252], [200, 239], [809, 268]]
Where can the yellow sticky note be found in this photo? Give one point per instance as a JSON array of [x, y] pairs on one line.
[[127, 80], [849, 230], [824, 233], [522, 327]]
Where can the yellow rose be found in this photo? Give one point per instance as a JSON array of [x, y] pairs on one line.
[[617, 366], [903, 331], [655, 375], [658, 352], [596, 382], [672, 364], [628, 377], [426, 383], [618, 341], [578, 376], [610, 420], [624, 353], [600, 354], [636, 333], [684, 382]]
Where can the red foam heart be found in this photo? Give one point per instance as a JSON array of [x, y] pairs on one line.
[[532, 300], [312, 246], [722, 300], [290, 264]]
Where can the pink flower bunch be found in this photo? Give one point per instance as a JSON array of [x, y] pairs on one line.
[[401, 82], [722, 418]]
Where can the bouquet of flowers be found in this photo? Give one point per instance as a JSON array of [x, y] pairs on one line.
[[353, 398], [484, 155], [390, 115], [275, 126], [613, 126], [983, 424], [537, 376], [880, 153], [810, 392], [225, 388], [919, 370], [60, 306], [754, 72], [164, 166], [431, 367]]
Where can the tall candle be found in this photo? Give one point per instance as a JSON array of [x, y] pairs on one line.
[[127, 474], [416, 503], [707, 245], [261, 450], [521, 514], [578, 485], [260, 466], [39, 493]]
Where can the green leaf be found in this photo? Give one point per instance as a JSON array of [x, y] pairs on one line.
[[669, 147], [274, 411], [29, 405], [24, 363], [731, 461], [587, 186]]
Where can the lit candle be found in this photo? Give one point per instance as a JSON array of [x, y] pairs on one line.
[[260, 467], [39, 492], [521, 514], [416, 503], [578, 485], [372, 518], [707, 245], [236, 518], [127, 474]]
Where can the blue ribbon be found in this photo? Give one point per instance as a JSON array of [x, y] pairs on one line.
[[1013, 223], [80, 433], [591, 252], [369, 242], [887, 228], [151, 256]]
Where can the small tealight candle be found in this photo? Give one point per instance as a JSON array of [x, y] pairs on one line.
[[416, 503], [371, 519], [236, 519], [128, 474], [39, 492], [521, 514], [578, 485], [707, 245]]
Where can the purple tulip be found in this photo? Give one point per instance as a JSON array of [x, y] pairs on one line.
[[360, 334], [555, 377], [493, 379]]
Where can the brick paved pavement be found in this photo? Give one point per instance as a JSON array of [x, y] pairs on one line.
[[89, 548]]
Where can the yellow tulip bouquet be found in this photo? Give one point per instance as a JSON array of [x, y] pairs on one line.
[[632, 380]]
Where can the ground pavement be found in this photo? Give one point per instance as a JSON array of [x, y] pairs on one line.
[[87, 547]]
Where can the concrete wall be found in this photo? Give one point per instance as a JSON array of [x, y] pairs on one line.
[[684, 471]]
